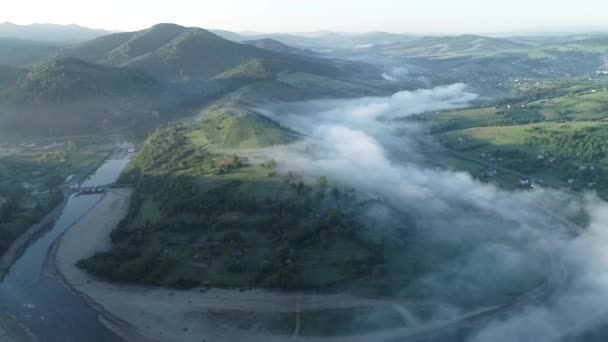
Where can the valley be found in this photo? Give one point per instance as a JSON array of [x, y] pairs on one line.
[[364, 187]]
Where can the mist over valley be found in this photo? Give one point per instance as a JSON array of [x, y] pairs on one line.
[[179, 183]]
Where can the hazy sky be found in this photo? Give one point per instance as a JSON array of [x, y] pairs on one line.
[[446, 16]]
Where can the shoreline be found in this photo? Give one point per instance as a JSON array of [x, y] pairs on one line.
[[121, 328], [20, 244], [139, 313], [154, 314], [10, 328], [17, 247]]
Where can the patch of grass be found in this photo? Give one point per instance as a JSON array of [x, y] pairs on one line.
[[151, 212]]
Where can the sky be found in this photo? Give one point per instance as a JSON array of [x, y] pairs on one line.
[[402, 16]]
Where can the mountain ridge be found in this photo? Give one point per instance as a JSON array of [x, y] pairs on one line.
[[49, 32], [170, 52]]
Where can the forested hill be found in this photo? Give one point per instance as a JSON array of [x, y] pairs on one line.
[[71, 78], [138, 80], [172, 52]]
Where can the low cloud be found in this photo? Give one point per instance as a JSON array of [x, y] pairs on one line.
[[581, 302], [365, 143]]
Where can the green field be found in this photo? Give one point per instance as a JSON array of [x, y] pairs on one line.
[[554, 134]]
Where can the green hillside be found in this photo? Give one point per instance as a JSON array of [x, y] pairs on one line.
[[466, 45], [195, 184], [172, 52], [276, 46], [232, 126], [195, 54], [70, 78], [69, 96], [219, 130], [255, 70], [555, 133]]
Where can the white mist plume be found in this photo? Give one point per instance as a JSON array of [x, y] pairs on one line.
[[581, 303], [352, 142]]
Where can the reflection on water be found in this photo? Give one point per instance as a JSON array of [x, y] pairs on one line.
[[40, 302], [27, 268]]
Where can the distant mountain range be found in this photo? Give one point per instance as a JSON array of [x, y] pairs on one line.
[[49, 32], [137, 79], [322, 40], [25, 53], [465, 45], [277, 46]]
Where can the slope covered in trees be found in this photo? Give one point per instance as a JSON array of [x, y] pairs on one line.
[[173, 52]]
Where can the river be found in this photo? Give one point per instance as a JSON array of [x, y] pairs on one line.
[[38, 300]]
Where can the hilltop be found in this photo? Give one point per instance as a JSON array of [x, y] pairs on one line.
[[49, 32]]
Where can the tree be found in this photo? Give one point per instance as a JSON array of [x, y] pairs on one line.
[[322, 181], [53, 181], [269, 164]]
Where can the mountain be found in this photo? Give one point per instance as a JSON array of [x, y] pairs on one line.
[[128, 80], [320, 41], [452, 46], [171, 52], [70, 96], [353, 41], [69, 78], [49, 32], [277, 46], [23, 53], [233, 36]]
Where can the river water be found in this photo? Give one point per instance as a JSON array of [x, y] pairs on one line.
[[37, 300]]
